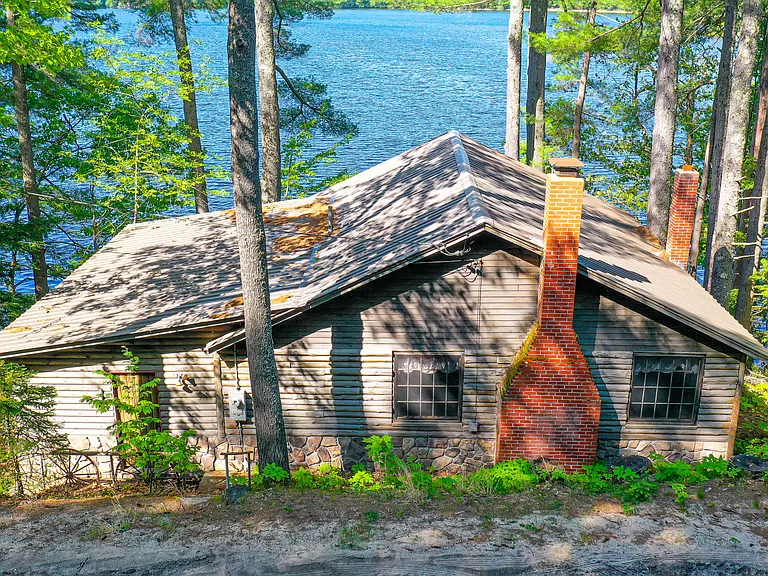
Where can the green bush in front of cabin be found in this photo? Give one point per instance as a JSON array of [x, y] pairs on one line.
[[28, 432], [145, 449]]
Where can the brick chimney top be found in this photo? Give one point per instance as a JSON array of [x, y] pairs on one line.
[[682, 214], [566, 166]]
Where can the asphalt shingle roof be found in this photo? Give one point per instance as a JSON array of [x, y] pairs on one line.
[[182, 273]]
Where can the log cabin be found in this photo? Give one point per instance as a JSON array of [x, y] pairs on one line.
[[471, 307]]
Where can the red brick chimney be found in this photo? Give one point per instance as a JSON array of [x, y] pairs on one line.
[[682, 214], [550, 406]]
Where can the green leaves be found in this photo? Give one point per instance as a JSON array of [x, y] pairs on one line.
[[27, 427], [140, 442], [299, 173], [28, 37]]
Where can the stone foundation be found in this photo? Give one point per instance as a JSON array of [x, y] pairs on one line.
[[450, 455], [690, 451]]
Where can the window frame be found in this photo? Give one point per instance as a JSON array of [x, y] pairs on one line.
[[702, 358], [428, 419]]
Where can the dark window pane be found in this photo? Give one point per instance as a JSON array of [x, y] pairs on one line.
[[440, 378], [675, 395], [678, 378], [637, 394], [634, 410], [688, 395], [663, 396], [660, 411], [686, 412], [647, 411], [664, 379], [423, 383], [650, 395]]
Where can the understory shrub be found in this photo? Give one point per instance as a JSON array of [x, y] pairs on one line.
[[396, 474], [752, 433], [27, 429], [152, 453]]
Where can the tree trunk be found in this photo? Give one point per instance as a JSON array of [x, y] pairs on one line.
[[719, 120], [189, 101], [660, 193], [750, 257], [537, 72], [762, 104], [270, 109], [514, 70], [29, 175], [267, 409], [733, 154], [582, 93], [701, 199]]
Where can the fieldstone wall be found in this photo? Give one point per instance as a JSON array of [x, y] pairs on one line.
[[690, 451], [450, 455]]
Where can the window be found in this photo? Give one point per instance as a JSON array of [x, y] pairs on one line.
[[128, 391], [665, 387], [428, 386]]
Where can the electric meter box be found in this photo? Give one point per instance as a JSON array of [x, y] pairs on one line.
[[237, 405]]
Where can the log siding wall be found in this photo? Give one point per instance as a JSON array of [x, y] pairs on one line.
[[611, 331], [335, 365]]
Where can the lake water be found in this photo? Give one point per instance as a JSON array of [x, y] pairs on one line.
[[402, 77]]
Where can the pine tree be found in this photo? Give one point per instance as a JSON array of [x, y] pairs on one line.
[[267, 410]]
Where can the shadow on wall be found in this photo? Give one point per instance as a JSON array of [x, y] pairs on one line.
[[338, 357]]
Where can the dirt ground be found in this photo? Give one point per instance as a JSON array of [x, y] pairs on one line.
[[550, 530]]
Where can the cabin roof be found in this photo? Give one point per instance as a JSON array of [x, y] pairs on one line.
[[182, 273]]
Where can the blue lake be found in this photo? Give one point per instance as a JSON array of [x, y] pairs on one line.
[[403, 77]]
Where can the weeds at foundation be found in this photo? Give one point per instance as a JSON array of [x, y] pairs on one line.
[[408, 479]]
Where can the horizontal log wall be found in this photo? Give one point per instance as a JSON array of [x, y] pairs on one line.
[[335, 362], [611, 330], [73, 373]]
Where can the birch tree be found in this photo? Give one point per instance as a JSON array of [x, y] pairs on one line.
[[737, 126], [537, 70], [267, 409], [659, 194], [514, 70]]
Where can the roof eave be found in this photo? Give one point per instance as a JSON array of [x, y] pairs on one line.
[[752, 349]]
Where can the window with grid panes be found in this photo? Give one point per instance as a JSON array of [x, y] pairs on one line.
[[428, 386], [665, 387]]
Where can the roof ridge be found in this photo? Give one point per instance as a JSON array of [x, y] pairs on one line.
[[467, 180]]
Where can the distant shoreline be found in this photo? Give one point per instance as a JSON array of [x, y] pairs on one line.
[[527, 10]]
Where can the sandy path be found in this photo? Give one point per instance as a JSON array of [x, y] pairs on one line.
[[317, 534]]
